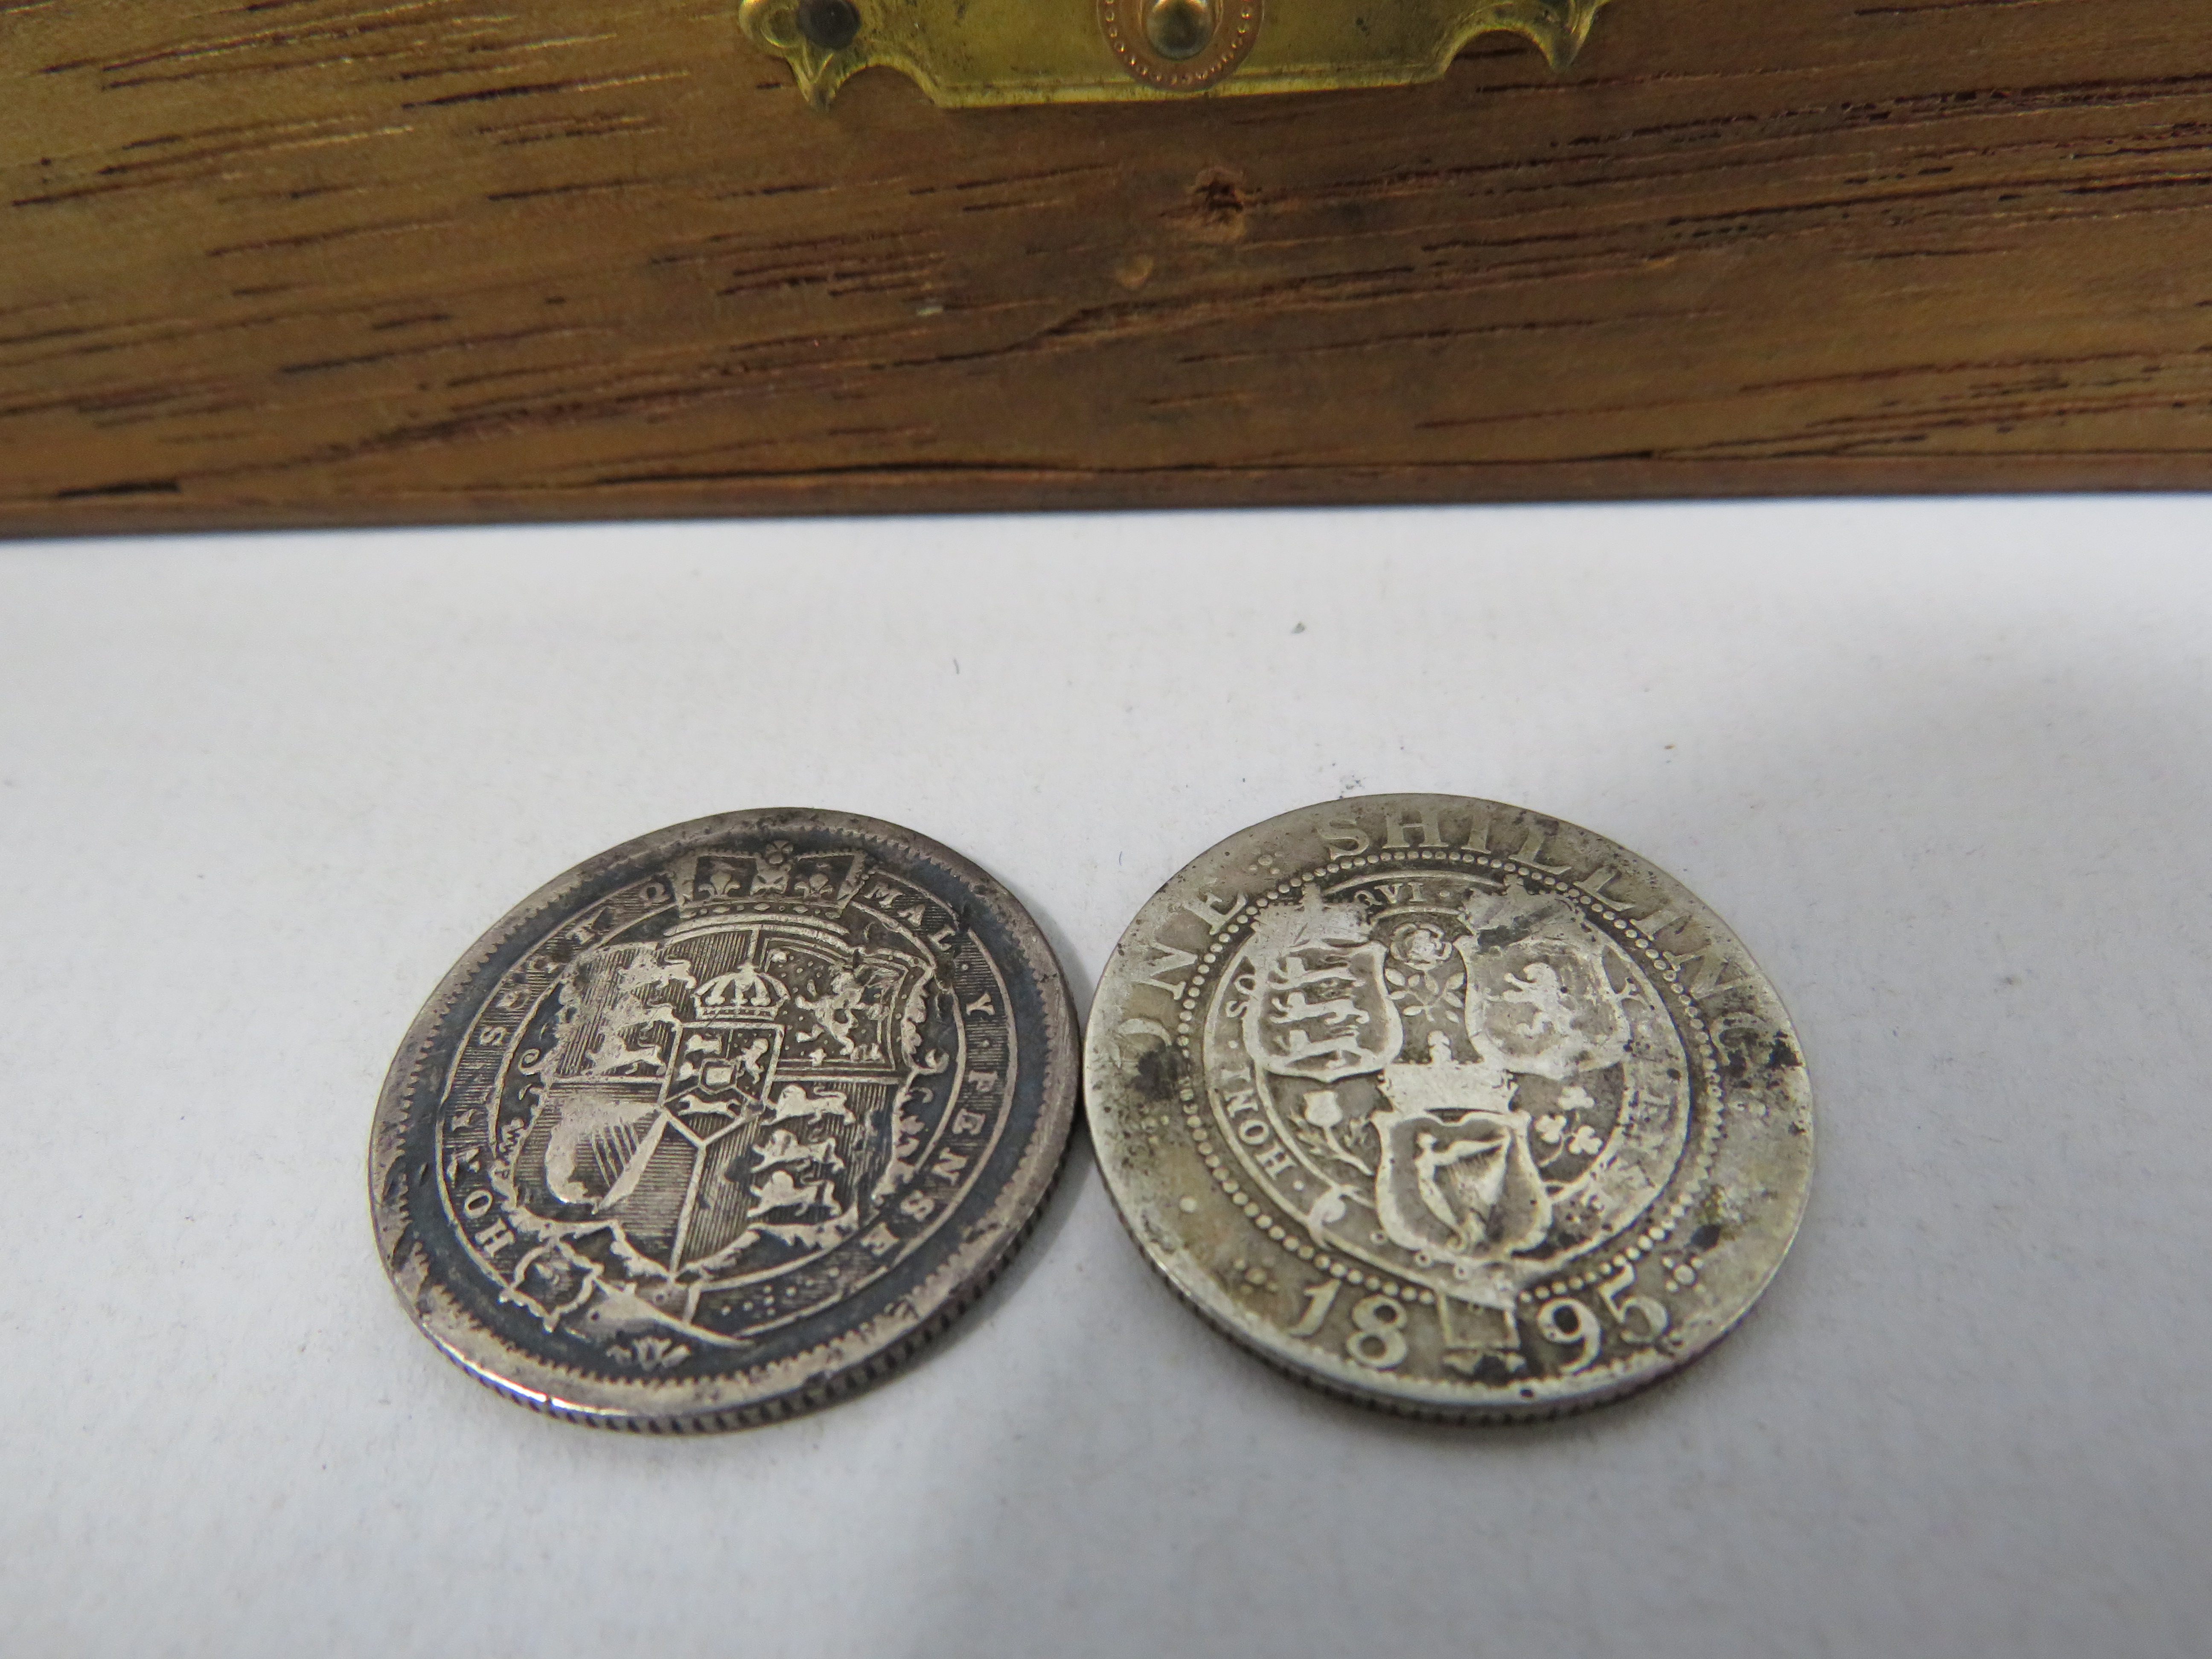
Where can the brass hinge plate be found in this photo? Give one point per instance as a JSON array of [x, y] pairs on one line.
[[966, 54]]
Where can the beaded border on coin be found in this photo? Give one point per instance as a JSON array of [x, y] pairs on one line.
[[1567, 1328], [997, 1131]]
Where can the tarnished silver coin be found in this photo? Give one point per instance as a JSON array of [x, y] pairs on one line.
[[725, 1122], [1448, 1107]]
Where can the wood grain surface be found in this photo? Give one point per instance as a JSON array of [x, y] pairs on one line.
[[296, 262]]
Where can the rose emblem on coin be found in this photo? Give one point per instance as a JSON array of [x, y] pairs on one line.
[[1449, 1105], [725, 1122]]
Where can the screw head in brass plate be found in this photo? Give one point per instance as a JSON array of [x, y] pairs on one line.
[[831, 25], [1448, 1107], [725, 1122]]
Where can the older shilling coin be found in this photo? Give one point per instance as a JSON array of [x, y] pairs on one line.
[[724, 1123], [1447, 1106]]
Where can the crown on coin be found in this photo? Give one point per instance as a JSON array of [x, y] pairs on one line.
[[1444, 1085], [746, 993], [747, 887]]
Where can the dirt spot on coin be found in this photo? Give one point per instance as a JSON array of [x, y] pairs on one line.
[[1161, 1072], [1492, 1369]]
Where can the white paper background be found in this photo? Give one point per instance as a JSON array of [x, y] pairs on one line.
[[1943, 765]]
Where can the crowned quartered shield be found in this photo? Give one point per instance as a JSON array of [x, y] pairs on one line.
[[1445, 1104], [723, 1097]]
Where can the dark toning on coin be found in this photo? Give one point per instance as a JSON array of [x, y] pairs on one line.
[[725, 1122]]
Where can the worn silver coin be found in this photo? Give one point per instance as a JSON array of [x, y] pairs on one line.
[[1448, 1107], [725, 1122]]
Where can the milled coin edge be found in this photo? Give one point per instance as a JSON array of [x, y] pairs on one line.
[[1234, 1324], [832, 1371]]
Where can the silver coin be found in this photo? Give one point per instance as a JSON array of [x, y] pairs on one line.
[[725, 1122], [1448, 1107]]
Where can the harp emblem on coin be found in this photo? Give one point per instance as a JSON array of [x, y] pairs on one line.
[[1450, 1075], [729, 1124], [724, 1100]]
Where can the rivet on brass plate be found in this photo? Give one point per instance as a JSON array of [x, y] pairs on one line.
[[1179, 46], [966, 54], [1178, 28]]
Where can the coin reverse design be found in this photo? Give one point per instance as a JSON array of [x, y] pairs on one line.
[[725, 1122], [1448, 1107]]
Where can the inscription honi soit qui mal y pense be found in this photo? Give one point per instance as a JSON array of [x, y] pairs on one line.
[[1458, 1072]]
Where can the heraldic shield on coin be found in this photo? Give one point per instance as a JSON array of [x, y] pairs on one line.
[[725, 1122], [1450, 1107]]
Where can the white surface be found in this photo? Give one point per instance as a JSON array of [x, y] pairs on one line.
[[1943, 766]]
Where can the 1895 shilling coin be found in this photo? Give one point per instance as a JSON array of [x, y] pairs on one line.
[[1448, 1107], [724, 1123]]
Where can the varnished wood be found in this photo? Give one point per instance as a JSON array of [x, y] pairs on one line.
[[326, 262]]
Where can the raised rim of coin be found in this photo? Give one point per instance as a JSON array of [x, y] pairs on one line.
[[1447, 1106], [726, 1122]]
